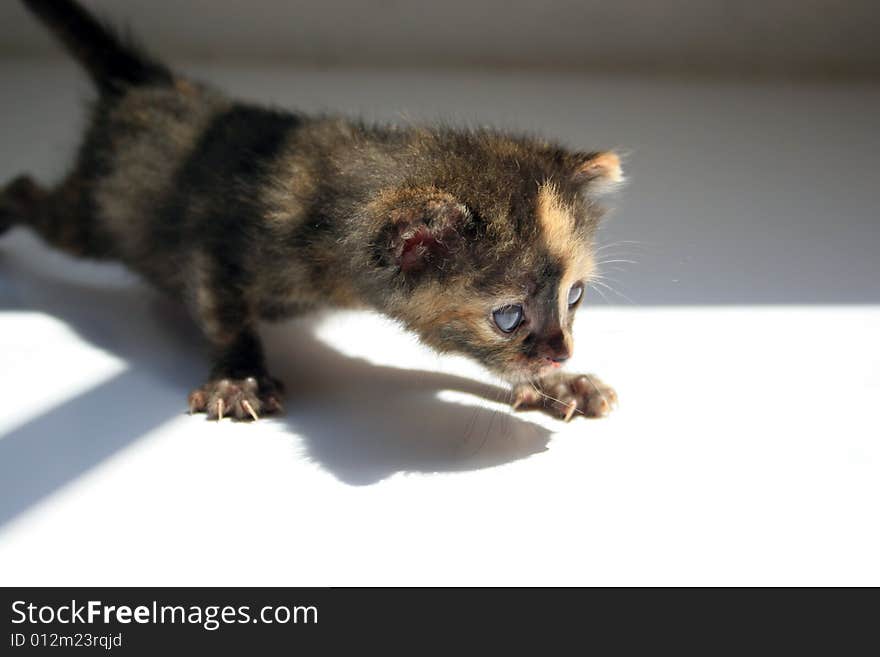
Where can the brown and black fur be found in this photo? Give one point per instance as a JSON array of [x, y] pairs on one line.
[[247, 213]]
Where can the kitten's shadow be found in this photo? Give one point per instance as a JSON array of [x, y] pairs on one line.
[[359, 421], [364, 422]]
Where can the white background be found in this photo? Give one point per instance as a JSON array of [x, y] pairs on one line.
[[742, 339]]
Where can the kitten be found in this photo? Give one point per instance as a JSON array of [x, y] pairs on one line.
[[479, 242]]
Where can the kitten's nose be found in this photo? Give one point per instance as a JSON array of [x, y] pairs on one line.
[[557, 350]]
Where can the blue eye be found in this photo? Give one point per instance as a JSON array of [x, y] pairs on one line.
[[575, 293], [507, 318]]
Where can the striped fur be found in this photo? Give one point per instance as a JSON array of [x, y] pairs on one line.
[[248, 213]]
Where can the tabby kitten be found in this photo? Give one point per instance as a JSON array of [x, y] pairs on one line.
[[479, 242]]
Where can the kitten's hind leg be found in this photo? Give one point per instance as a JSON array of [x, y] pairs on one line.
[[62, 215]]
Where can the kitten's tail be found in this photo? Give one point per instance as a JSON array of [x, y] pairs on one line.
[[112, 62]]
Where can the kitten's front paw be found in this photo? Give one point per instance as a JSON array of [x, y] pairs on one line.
[[243, 399], [565, 395]]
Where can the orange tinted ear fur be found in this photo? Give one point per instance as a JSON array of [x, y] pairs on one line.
[[599, 171]]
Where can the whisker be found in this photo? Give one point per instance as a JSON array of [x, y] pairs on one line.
[[611, 289], [503, 390], [621, 246], [601, 293], [558, 401], [596, 388], [618, 243], [608, 262], [472, 423], [489, 427], [603, 277], [505, 398]]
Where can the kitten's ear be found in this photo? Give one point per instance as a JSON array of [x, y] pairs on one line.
[[426, 230], [598, 172]]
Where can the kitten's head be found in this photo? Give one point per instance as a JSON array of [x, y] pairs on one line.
[[491, 254]]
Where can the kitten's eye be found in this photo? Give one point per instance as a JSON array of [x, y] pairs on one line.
[[507, 318], [575, 293]]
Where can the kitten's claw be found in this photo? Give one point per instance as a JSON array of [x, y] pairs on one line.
[[566, 395], [197, 402], [241, 399], [250, 409], [524, 395]]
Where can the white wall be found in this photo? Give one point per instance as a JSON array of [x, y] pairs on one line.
[[810, 37]]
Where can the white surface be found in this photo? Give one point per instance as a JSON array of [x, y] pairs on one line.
[[746, 449]]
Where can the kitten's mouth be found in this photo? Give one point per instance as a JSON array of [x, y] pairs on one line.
[[531, 371]]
